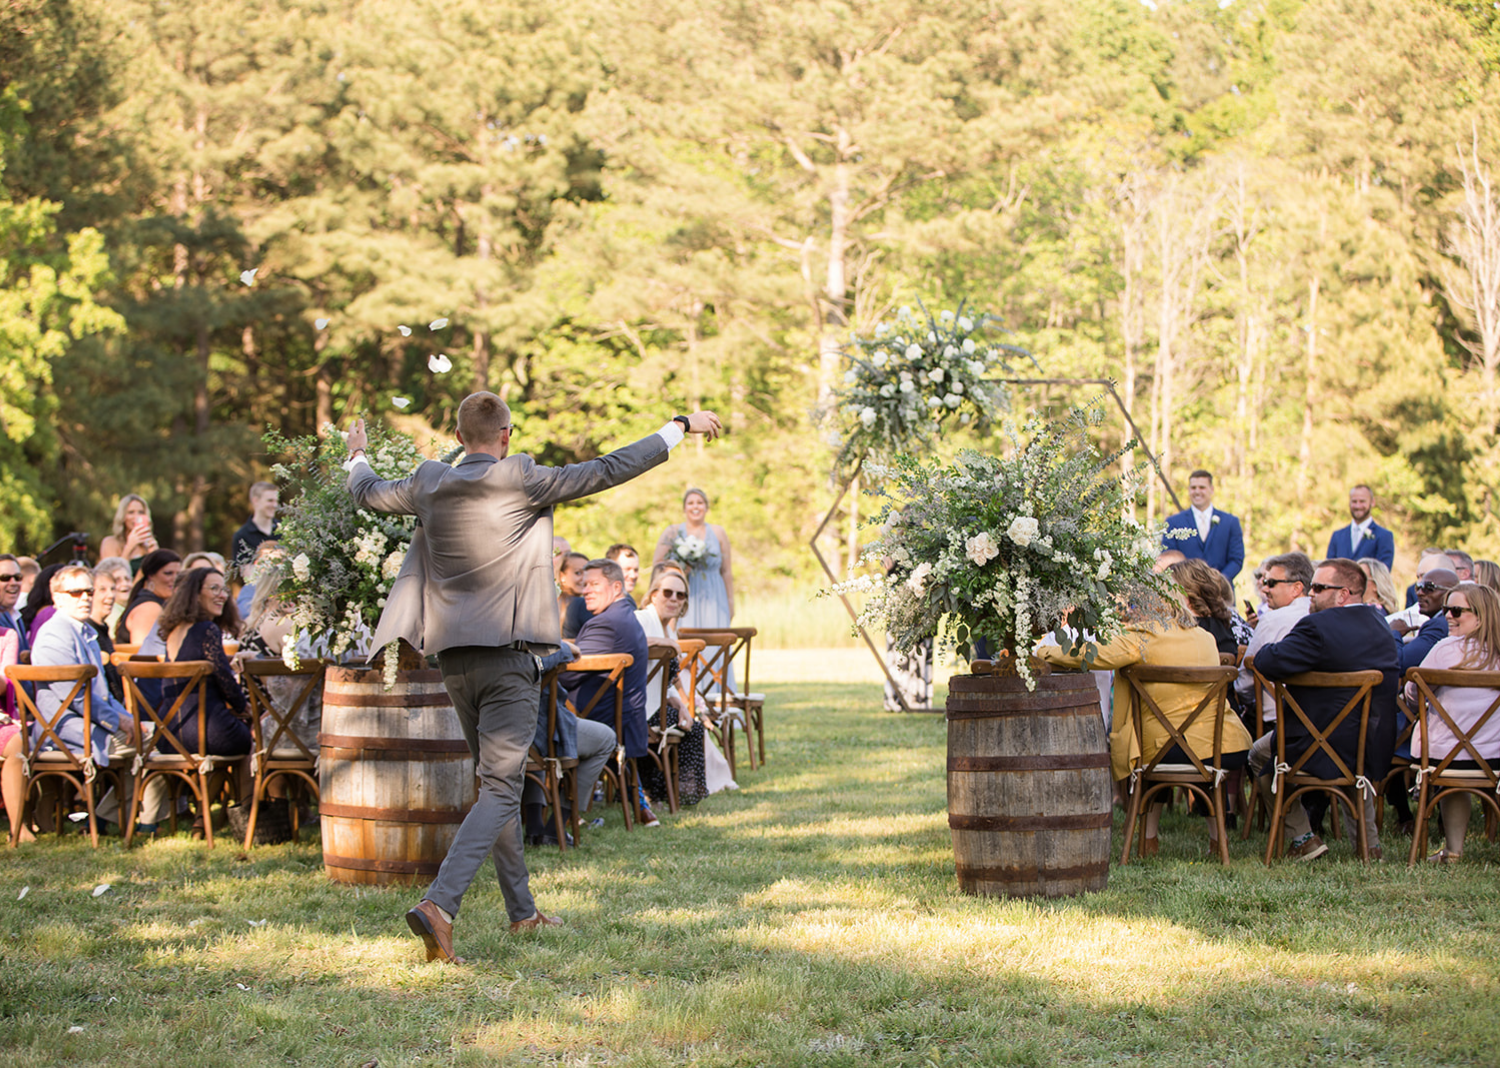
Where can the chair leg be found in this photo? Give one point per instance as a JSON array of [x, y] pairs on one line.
[[1218, 816], [133, 810], [554, 794], [255, 794], [200, 786], [88, 806], [760, 731], [1131, 815], [1278, 817]]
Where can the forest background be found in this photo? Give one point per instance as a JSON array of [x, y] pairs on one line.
[[1267, 221]]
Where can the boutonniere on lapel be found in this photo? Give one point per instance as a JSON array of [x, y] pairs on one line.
[[1214, 521], [1366, 535]]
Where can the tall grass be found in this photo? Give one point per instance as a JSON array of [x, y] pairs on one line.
[[798, 619]]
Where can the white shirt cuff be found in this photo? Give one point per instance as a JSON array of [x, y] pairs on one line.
[[671, 434], [360, 459]]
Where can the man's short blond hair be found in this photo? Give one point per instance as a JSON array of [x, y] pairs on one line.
[[481, 418], [61, 576], [260, 489]]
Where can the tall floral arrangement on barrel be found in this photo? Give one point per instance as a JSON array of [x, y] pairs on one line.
[[337, 561], [909, 376], [1009, 548]]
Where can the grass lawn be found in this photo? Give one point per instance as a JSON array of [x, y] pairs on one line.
[[811, 918]]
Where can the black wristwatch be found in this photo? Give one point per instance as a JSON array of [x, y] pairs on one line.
[[686, 426]]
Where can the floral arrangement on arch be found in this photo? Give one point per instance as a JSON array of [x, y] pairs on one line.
[[1010, 548], [337, 561], [910, 376]]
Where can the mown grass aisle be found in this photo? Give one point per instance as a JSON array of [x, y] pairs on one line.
[[812, 918]]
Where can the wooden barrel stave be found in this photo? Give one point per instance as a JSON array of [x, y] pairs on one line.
[[395, 775], [1029, 795]]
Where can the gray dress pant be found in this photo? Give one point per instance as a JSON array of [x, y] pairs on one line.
[[496, 693]]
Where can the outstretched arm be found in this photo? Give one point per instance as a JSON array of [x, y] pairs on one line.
[[553, 485], [369, 489]]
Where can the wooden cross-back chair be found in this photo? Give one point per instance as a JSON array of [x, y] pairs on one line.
[[183, 764], [553, 774], [1200, 777], [1255, 807], [751, 705], [1437, 780], [709, 686], [279, 752], [38, 762], [1290, 783], [1400, 767], [624, 776], [665, 734]]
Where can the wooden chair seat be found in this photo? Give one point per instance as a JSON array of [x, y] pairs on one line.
[[49, 756], [284, 755], [1437, 779]]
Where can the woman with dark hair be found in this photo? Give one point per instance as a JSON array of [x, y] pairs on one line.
[[39, 607], [1200, 585], [153, 585], [193, 624]]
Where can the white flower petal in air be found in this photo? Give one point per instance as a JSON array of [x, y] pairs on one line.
[[102, 888], [439, 364], [320, 323], [248, 277], [404, 331], [437, 324], [24, 891], [401, 402]]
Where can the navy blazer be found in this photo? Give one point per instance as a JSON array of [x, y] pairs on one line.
[[1352, 638], [1412, 653], [614, 630], [1381, 547], [1225, 549]]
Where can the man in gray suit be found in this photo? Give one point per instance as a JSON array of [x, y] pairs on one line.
[[476, 590]]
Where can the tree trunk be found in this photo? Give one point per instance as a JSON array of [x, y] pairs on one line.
[[836, 286], [1310, 398]]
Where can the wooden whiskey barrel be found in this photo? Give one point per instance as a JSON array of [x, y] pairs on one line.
[[1029, 798], [394, 774]]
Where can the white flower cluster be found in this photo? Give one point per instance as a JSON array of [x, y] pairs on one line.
[[369, 548], [689, 550]]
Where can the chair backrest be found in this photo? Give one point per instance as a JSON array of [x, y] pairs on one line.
[[1362, 684], [1427, 681], [612, 666], [713, 666], [742, 636], [80, 675], [550, 687], [1214, 683], [264, 707], [689, 668], [659, 674], [194, 675]]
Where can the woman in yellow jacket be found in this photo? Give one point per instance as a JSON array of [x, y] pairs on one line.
[[1180, 643]]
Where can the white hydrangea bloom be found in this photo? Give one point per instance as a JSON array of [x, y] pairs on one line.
[[953, 400], [966, 324], [981, 548], [914, 352], [969, 345], [880, 358], [917, 580], [1023, 529], [935, 375], [867, 417]]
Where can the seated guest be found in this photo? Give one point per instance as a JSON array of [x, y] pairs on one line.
[[193, 624], [263, 637], [1462, 564], [104, 602], [1432, 592], [612, 629], [702, 769], [1487, 573], [1380, 591], [1473, 645], [12, 773], [1339, 634], [68, 639], [1412, 618], [1198, 584], [1179, 643], [39, 606], [130, 535], [118, 568], [1237, 623], [570, 589], [630, 563], [1425, 562], [10, 596], [590, 743], [1285, 581], [153, 585]]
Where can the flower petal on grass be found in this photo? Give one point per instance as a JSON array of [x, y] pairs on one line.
[[248, 277], [75, 1030], [24, 891], [101, 889]]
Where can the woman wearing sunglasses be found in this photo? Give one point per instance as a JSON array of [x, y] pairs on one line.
[[702, 769], [1473, 644]]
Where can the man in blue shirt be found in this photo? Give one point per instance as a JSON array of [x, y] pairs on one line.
[[1214, 536]]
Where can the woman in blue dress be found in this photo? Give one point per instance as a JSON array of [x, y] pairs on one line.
[[711, 575]]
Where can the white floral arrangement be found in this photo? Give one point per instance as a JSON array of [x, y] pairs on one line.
[[689, 551], [1011, 548], [338, 561], [906, 378]]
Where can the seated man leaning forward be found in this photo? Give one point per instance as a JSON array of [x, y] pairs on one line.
[[1339, 634], [613, 628], [65, 639], [590, 743]]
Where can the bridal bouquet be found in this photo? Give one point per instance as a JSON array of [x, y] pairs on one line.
[[337, 561], [908, 377], [689, 551], [1009, 548]]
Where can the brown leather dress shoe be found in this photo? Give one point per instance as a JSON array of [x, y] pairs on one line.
[[1150, 847], [532, 924], [427, 923]]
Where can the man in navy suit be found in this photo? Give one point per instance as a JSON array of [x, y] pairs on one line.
[[613, 628], [1338, 634], [1214, 537], [1363, 536]]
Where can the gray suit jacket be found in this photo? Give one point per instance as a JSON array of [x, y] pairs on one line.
[[479, 570]]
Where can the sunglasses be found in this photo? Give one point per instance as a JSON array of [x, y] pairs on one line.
[[1318, 587], [673, 595], [1428, 587], [1456, 610], [11, 578], [1271, 583], [79, 591]]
